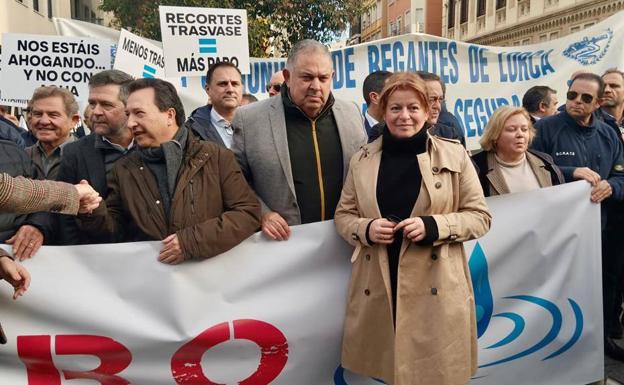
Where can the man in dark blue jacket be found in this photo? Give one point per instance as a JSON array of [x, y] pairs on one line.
[[443, 123], [213, 122], [612, 105], [586, 148], [9, 131]]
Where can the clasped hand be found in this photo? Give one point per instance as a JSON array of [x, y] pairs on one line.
[[382, 231], [89, 198]]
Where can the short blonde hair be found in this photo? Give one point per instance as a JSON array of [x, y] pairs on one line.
[[69, 101], [495, 125], [404, 81]]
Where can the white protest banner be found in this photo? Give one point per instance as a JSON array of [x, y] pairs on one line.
[[139, 57], [272, 312], [31, 61], [195, 38], [479, 79]]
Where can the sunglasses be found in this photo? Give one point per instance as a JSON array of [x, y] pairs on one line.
[[585, 98], [276, 87]]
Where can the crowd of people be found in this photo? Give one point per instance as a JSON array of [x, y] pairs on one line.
[[399, 183]]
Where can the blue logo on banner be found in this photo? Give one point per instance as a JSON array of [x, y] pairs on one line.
[[484, 303], [149, 72], [590, 51], [207, 45]]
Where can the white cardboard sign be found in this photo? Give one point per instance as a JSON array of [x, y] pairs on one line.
[[31, 61], [195, 38], [139, 57]]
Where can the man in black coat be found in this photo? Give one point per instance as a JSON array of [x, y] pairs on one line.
[[540, 102], [92, 157]]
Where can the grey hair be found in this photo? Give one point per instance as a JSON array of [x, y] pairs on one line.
[[116, 77], [306, 45], [43, 92]]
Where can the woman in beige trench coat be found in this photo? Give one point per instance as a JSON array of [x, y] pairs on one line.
[[409, 201]]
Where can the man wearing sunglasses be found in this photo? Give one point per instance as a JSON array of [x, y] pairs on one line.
[[213, 122], [275, 84], [586, 148]]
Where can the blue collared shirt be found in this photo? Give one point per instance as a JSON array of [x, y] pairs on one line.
[[224, 128]]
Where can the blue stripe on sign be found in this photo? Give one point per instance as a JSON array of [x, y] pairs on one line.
[[207, 41], [207, 49], [148, 75], [149, 69]]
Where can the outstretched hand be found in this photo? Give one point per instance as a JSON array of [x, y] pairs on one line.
[[89, 198]]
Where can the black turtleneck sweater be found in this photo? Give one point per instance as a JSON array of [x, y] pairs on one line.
[[398, 186]]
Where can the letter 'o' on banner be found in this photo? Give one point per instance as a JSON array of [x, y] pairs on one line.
[[186, 362]]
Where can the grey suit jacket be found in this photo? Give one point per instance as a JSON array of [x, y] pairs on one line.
[[261, 148]]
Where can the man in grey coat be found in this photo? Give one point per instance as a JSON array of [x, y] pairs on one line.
[[294, 148]]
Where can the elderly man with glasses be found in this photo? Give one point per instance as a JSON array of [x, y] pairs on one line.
[[586, 148], [443, 123], [275, 84]]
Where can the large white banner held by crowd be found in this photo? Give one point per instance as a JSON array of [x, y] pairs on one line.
[[272, 312]]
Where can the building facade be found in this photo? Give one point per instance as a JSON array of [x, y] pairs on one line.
[[384, 18], [373, 22], [414, 16], [35, 16], [521, 22]]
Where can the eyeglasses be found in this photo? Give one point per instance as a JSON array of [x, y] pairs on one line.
[[276, 87], [433, 99], [585, 98]]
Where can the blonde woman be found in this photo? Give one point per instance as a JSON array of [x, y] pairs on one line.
[[506, 165]]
